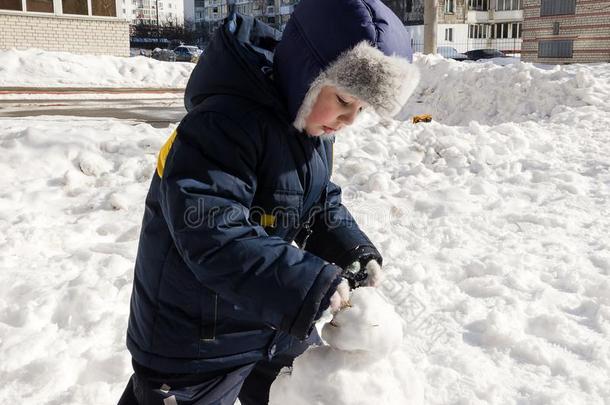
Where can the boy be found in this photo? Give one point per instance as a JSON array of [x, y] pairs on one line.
[[221, 298]]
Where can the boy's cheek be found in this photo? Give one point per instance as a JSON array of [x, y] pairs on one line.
[[313, 131]]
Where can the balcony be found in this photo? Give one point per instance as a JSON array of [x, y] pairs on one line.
[[475, 16], [508, 15]]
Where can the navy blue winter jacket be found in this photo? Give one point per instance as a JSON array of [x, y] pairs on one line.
[[218, 283]]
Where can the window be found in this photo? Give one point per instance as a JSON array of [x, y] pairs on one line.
[[556, 28], [42, 6], [449, 34], [478, 5], [477, 31], [502, 30], [449, 6], [504, 5], [10, 5], [557, 7], [506, 30], [75, 7], [516, 30], [555, 49]]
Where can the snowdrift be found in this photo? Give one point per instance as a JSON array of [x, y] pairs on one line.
[[493, 221], [38, 68]]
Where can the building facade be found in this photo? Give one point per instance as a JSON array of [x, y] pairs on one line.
[[207, 15], [410, 12], [153, 12], [467, 25], [77, 26], [566, 31], [481, 24]]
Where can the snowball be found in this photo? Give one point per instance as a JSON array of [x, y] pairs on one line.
[[370, 324], [93, 164], [356, 366]]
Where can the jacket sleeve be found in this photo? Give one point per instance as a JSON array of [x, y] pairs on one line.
[[336, 237], [206, 191]]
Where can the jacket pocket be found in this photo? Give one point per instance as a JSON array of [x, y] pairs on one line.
[[209, 315]]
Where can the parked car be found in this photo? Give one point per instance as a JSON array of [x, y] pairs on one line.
[[166, 55], [449, 52], [479, 54], [187, 53]]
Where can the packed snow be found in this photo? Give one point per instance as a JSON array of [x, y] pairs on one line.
[[493, 221], [35, 67], [361, 363]]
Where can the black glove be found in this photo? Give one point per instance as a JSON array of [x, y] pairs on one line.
[[365, 271]]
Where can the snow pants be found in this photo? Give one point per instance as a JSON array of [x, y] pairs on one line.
[[249, 383]]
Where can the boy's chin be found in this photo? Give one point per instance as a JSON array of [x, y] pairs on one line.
[[320, 135]]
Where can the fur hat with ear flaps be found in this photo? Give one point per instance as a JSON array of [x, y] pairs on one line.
[[357, 46]]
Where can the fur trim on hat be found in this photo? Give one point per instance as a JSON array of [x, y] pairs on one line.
[[384, 82]]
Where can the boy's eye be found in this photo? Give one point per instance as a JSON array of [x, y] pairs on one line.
[[342, 101]]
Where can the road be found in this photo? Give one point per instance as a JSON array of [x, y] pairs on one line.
[[158, 112]]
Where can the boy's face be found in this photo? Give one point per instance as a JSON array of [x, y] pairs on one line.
[[332, 111]]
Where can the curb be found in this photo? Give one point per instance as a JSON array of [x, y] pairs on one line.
[[82, 90]]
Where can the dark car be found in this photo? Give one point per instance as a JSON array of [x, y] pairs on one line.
[[449, 52], [187, 53], [479, 54]]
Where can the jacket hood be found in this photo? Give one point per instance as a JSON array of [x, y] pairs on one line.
[[358, 46], [238, 61]]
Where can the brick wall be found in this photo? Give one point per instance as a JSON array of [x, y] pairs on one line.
[[589, 28], [82, 35], [457, 17]]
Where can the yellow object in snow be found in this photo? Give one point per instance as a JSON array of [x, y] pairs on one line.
[[164, 152], [422, 118]]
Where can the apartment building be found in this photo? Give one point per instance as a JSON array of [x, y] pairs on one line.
[[151, 12], [566, 31], [481, 24], [410, 12], [467, 25], [78, 26], [208, 14]]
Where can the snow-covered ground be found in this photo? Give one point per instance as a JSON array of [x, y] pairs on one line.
[[38, 68], [493, 221]]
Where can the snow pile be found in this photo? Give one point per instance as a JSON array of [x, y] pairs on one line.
[[457, 92], [360, 365], [71, 199], [34, 67], [493, 226]]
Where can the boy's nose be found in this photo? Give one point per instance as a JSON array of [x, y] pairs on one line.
[[348, 119]]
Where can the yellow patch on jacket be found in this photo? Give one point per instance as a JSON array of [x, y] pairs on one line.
[[164, 152]]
